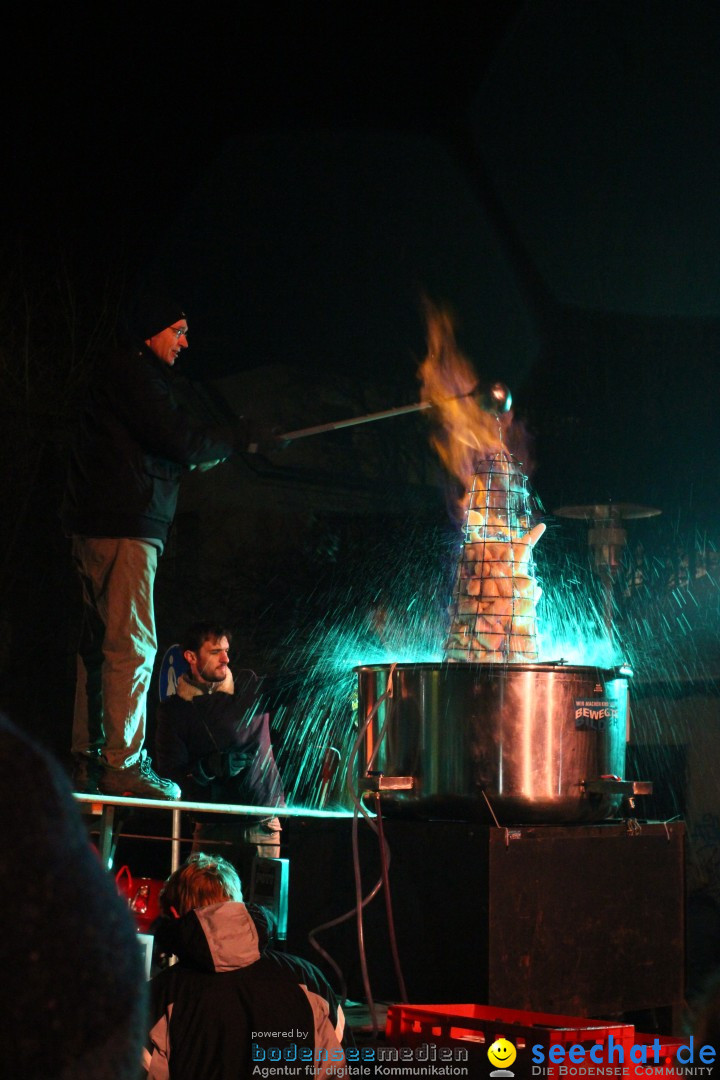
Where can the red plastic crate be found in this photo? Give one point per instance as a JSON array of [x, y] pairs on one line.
[[476, 1027], [668, 1060]]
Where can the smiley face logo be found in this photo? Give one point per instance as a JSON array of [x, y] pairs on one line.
[[502, 1053]]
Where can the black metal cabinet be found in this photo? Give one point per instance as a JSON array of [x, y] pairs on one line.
[[582, 920]]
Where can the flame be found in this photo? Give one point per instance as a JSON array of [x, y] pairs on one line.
[[492, 615], [448, 381]]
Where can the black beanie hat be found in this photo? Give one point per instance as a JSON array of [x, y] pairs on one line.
[[151, 314]]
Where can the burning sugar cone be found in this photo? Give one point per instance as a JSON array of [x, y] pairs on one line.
[[495, 596]]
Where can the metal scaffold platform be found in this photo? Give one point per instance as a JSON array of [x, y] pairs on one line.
[[106, 807]]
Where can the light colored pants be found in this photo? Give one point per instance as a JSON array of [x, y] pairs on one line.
[[117, 647], [234, 838]]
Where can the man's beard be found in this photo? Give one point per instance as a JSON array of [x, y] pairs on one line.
[[213, 676]]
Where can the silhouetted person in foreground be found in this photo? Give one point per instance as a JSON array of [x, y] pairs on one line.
[[72, 988]]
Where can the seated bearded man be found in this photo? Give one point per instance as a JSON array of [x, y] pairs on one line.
[[214, 740]]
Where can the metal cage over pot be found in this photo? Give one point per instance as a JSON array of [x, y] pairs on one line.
[[495, 595]]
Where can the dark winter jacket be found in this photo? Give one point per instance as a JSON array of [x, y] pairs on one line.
[[73, 991], [133, 445], [224, 1007], [217, 745]]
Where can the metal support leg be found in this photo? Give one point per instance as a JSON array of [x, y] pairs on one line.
[[106, 844], [175, 843]]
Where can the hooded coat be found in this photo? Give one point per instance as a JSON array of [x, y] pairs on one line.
[[225, 1006]]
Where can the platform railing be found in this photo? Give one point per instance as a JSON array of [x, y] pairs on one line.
[[106, 806]]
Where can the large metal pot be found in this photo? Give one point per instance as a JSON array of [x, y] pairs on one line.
[[523, 743]]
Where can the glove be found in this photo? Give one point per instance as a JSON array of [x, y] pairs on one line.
[[237, 760], [209, 768], [205, 466], [222, 764]]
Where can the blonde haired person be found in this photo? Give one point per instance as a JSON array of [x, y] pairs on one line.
[[201, 881], [229, 1001]]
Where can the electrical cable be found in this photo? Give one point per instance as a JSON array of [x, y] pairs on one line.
[[385, 864], [371, 895], [360, 927], [361, 902], [361, 809]]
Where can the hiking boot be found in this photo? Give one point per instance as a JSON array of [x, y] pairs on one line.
[[137, 781], [85, 775]]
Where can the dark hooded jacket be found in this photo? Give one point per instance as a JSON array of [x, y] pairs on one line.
[[225, 1006], [133, 445], [217, 745]]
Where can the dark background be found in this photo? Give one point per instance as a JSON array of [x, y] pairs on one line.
[[301, 177]]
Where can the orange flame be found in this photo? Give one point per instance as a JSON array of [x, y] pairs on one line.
[[448, 381]]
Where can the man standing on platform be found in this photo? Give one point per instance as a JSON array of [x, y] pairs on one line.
[[213, 738], [133, 445]]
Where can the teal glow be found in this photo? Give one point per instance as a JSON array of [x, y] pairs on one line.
[[324, 712], [571, 626], [574, 611], [395, 611]]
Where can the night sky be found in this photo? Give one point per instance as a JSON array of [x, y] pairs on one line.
[[301, 178], [113, 118]]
